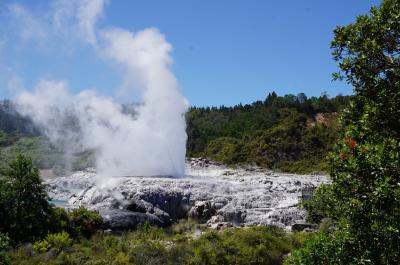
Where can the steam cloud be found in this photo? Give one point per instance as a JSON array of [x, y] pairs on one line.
[[150, 142]]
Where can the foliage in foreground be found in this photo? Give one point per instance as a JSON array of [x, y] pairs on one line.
[[27, 215], [364, 198], [24, 208], [150, 245], [5, 243]]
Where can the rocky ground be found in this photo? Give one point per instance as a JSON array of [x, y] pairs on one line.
[[214, 194]]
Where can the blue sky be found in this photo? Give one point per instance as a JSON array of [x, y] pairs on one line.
[[225, 52]]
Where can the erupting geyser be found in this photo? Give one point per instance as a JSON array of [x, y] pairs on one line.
[[150, 142]]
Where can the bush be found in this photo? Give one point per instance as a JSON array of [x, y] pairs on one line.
[[60, 221], [257, 245], [85, 222], [59, 242], [338, 247], [5, 243], [322, 205], [4, 260]]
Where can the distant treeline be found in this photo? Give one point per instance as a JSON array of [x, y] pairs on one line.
[[291, 133]]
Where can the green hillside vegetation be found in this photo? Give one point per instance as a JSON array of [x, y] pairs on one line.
[[289, 133]]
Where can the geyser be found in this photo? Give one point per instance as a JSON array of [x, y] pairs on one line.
[[151, 142]]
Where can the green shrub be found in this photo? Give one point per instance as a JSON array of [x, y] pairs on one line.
[[4, 260], [121, 259], [60, 220], [5, 243], [322, 205], [59, 242], [257, 245], [41, 246], [299, 238], [338, 247], [85, 222]]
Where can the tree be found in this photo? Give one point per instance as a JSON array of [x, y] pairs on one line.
[[24, 208], [365, 169], [301, 97]]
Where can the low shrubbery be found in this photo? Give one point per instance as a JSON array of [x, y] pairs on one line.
[[326, 248], [152, 245]]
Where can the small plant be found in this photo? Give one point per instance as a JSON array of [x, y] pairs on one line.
[[59, 241], [121, 259], [5, 241], [41, 246]]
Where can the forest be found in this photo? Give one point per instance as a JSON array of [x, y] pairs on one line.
[[288, 133]]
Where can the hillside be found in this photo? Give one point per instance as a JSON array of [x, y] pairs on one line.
[[289, 133], [18, 135]]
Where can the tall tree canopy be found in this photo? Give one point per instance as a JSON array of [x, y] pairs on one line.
[[24, 208], [365, 168]]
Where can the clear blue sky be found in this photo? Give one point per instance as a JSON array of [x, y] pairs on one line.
[[225, 52]]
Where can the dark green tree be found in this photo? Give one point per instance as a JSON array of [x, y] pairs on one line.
[[365, 169], [24, 208]]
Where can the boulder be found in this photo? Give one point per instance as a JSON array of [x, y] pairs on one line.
[[136, 206], [234, 215], [173, 203], [115, 219], [202, 211], [298, 227]]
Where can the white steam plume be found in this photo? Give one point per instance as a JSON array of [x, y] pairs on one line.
[[153, 141]]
